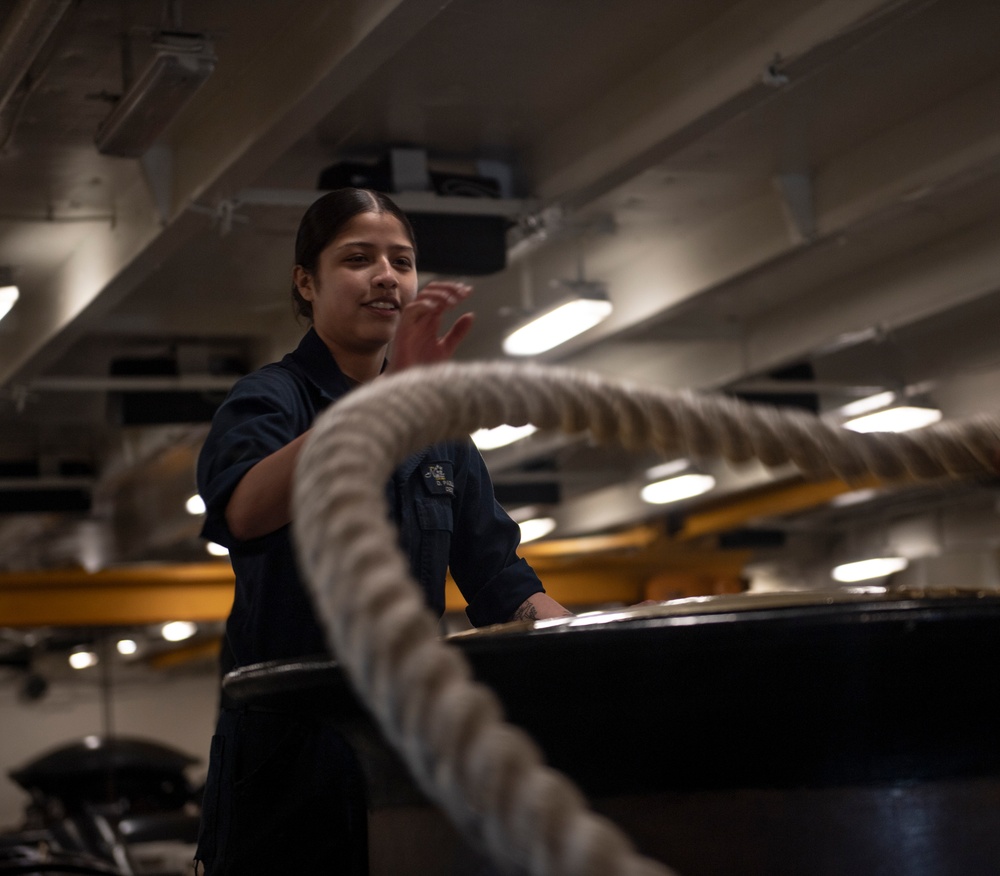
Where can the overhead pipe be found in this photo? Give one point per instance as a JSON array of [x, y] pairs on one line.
[[25, 32]]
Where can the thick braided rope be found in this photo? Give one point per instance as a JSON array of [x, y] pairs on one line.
[[488, 775]]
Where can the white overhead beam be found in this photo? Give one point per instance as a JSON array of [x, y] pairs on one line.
[[278, 88], [946, 145], [712, 76], [915, 286]]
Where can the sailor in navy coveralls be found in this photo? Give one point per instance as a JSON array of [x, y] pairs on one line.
[[283, 793]]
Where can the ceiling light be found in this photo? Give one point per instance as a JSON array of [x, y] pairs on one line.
[[867, 404], [558, 324], [854, 497], [195, 505], [898, 419], [501, 436], [180, 64], [127, 646], [8, 298], [178, 631], [667, 469], [217, 550], [863, 570], [82, 659], [9, 292], [536, 528], [675, 489]]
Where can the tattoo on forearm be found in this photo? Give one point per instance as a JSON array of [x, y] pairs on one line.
[[525, 611]]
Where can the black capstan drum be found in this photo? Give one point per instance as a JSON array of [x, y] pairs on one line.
[[787, 734]]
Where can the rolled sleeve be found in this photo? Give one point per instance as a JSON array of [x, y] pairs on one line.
[[498, 599]]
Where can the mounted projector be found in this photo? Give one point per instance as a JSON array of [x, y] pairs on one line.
[[456, 243], [180, 64]]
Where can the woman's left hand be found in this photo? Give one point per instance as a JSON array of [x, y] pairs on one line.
[[417, 340]]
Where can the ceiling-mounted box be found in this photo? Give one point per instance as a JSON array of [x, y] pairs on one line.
[[452, 242]]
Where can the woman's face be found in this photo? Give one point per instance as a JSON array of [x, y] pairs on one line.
[[363, 279]]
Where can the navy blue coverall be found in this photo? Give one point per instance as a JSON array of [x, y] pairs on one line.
[[283, 792]]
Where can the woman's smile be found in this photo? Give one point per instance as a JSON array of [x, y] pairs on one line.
[[383, 306]]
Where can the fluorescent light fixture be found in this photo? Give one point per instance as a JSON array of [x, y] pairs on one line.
[[178, 631], [667, 469], [82, 659], [675, 489], [180, 64], [867, 404], [127, 646], [863, 570], [501, 436], [195, 505], [854, 497], [557, 325], [536, 528], [898, 419], [8, 298], [217, 550]]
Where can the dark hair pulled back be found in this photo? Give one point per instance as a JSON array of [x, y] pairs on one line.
[[327, 217]]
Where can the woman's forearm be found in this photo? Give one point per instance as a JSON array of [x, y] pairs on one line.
[[539, 606], [262, 500]]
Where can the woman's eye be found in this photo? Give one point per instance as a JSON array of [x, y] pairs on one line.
[[404, 263]]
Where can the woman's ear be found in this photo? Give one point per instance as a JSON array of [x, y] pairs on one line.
[[303, 281]]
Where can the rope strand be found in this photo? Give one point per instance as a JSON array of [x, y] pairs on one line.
[[490, 776]]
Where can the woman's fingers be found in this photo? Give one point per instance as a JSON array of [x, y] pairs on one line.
[[417, 341], [443, 296], [456, 334]]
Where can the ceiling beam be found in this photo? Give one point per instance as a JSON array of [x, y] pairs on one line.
[[291, 72], [914, 286], [714, 75]]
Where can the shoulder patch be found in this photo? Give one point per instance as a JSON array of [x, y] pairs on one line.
[[439, 478]]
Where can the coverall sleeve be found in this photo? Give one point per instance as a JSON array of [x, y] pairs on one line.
[[262, 414], [484, 563]]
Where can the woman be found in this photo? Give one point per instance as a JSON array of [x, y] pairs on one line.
[[282, 794]]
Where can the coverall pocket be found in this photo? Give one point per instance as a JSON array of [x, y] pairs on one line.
[[437, 522], [213, 832]]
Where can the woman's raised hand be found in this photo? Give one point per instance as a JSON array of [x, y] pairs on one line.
[[418, 340]]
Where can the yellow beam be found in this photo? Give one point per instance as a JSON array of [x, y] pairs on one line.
[[121, 596], [771, 502], [616, 568], [636, 537], [625, 567]]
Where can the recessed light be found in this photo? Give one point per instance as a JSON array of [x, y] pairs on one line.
[[675, 489], [501, 436], [864, 570], [536, 528], [178, 631]]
